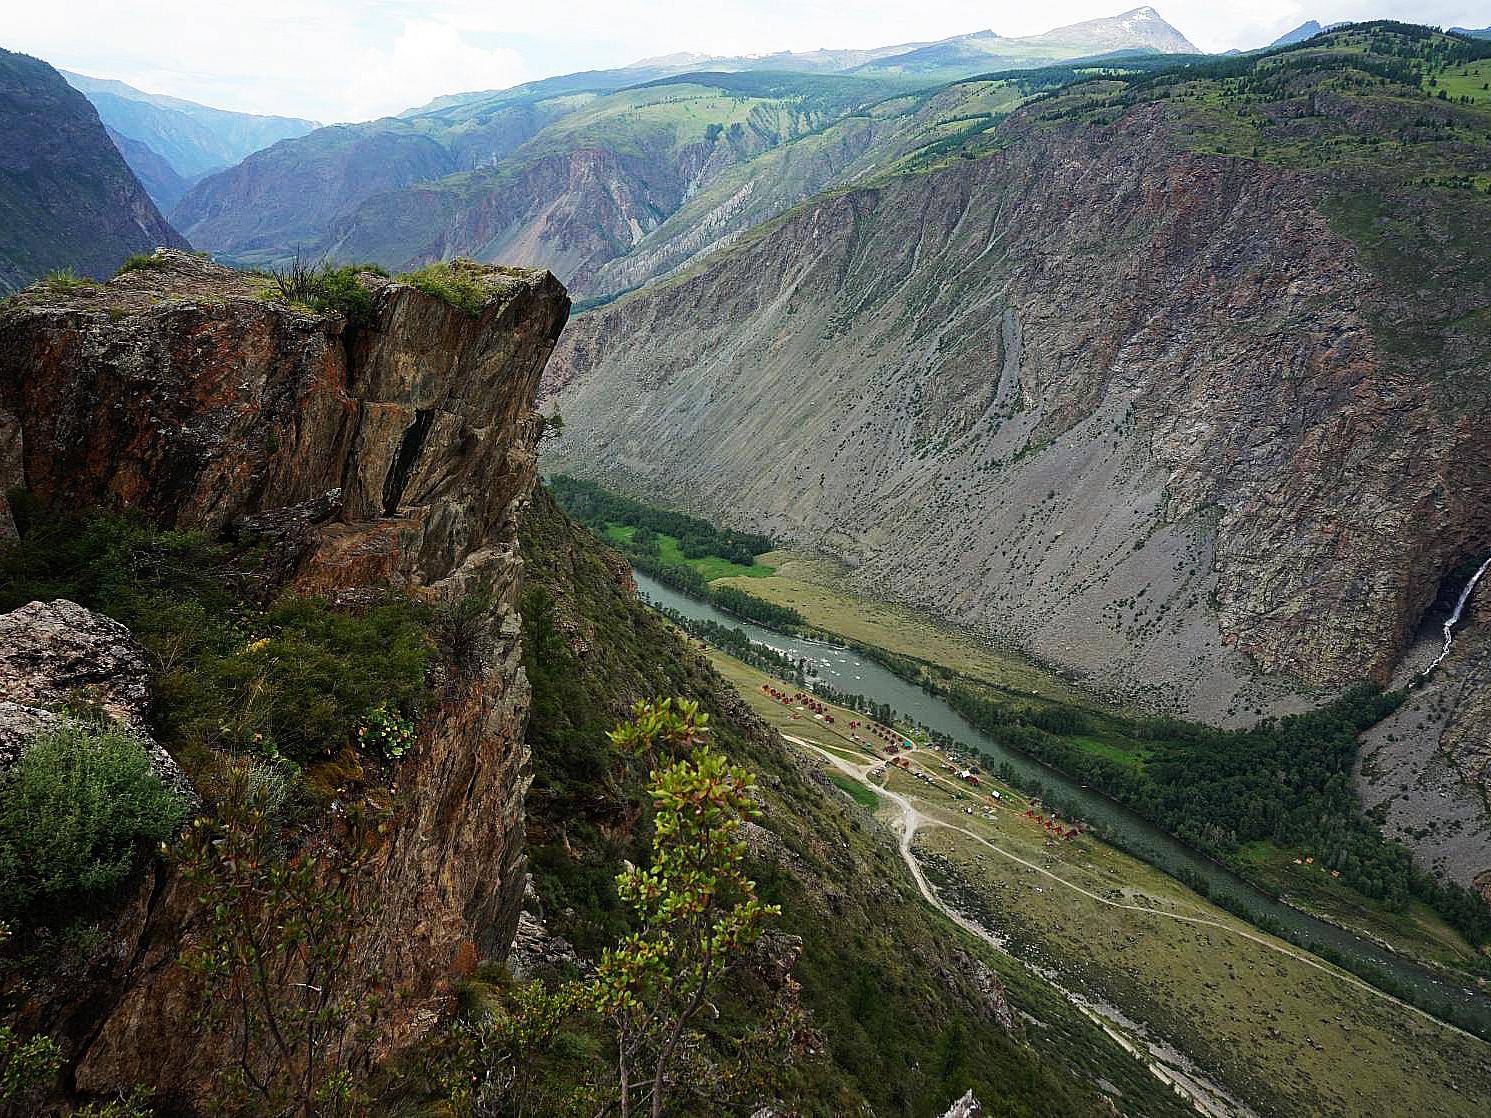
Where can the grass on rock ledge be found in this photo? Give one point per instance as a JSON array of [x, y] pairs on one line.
[[291, 679]]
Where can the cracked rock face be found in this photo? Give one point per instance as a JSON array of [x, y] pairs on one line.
[[1134, 410], [398, 454]]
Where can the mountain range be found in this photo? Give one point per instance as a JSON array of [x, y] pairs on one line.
[[577, 171], [67, 198], [172, 142]]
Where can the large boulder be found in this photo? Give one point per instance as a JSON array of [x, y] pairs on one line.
[[59, 659]]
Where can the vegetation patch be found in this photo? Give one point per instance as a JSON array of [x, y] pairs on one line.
[[325, 289], [140, 262], [75, 813], [295, 678], [856, 791], [678, 550], [450, 283]]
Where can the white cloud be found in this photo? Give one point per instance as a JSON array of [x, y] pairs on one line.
[[355, 59], [424, 61]]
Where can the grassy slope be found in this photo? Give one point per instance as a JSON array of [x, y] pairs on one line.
[[1286, 1036], [712, 567], [886, 979], [817, 588]]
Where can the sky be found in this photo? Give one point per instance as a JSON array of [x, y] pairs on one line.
[[347, 60]]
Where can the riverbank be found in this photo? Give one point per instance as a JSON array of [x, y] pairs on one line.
[[842, 669], [1205, 996]]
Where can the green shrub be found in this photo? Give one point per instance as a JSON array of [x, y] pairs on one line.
[[340, 292], [756, 609], [73, 815], [140, 261], [63, 281], [450, 282], [325, 289], [387, 731], [28, 1064]]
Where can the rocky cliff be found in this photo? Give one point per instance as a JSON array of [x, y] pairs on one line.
[[67, 198], [1168, 418], [1182, 385], [400, 453]]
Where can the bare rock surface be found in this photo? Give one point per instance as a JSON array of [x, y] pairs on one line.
[[55, 652], [1128, 409], [56, 655], [966, 1107], [397, 454]]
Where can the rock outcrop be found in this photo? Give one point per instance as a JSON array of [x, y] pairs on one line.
[[57, 655], [400, 453]]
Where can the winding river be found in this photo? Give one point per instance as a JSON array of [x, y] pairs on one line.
[[846, 670]]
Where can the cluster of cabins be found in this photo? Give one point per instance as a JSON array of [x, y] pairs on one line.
[[896, 747], [888, 737], [1053, 825]]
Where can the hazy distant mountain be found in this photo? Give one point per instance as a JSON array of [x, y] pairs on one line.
[[822, 61], [67, 198], [1141, 30], [1483, 33], [576, 171], [1307, 30], [193, 139], [161, 181]]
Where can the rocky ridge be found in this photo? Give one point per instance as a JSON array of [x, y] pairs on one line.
[[400, 453]]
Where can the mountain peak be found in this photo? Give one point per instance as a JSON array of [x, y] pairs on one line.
[[1137, 27]]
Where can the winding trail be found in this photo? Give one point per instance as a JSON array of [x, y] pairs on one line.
[[1202, 1098], [913, 820]]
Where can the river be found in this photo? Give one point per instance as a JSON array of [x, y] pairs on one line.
[[847, 670]]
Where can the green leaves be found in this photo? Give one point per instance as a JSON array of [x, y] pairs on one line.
[[73, 814], [276, 941]]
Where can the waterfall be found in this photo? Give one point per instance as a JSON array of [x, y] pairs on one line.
[[1454, 618]]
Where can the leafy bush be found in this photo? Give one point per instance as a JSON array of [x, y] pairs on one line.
[[136, 1104], [326, 289], [73, 815], [27, 1066], [269, 915], [341, 292], [387, 731], [450, 282]]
